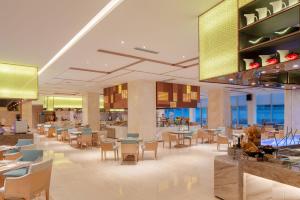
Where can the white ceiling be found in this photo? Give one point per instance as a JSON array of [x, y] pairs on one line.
[[32, 31]]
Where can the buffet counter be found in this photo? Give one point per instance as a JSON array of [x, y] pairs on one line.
[[252, 180], [12, 139]]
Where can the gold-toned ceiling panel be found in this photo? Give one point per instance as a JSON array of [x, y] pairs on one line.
[[218, 29]]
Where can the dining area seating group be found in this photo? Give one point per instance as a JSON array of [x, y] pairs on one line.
[[24, 173]]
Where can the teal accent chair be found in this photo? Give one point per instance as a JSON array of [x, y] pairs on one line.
[[29, 156], [86, 131], [24, 142], [133, 135]]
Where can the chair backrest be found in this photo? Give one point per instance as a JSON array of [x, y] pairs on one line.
[[86, 139], [21, 127], [151, 145], [23, 142], [165, 136], [31, 155], [202, 133], [132, 135], [40, 176], [129, 148], [86, 131]]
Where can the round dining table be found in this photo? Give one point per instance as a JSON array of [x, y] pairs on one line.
[[181, 135]]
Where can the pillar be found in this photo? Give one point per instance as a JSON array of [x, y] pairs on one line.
[[219, 112], [142, 108], [251, 105], [292, 109], [90, 110], [192, 114], [26, 112]]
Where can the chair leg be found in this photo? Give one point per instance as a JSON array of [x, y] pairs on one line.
[[170, 144], [47, 194], [115, 155], [155, 153], [163, 144]]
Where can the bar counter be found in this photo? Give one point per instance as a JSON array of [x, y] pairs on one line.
[[252, 180]]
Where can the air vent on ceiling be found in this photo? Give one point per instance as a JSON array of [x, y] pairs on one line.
[[146, 50], [169, 80]]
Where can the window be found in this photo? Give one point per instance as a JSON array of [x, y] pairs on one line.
[[239, 110], [201, 112], [270, 108]]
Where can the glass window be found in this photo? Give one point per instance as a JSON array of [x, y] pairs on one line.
[[270, 108], [239, 110], [201, 112]]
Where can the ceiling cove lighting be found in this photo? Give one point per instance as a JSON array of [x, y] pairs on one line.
[[87, 28]]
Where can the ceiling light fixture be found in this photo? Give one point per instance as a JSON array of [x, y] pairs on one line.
[[263, 72], [144, 47], [122, 42], [108, 8], [231, 79], [282, 86], [294, 87], [267, 85], [253, 83]]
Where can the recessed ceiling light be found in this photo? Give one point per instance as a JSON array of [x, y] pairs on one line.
[[253, 83], [108, 8], [295, 66], [263, 72], [231, 79], [122, 42], [267, 85], [183, 56], [144, 47], [294, 87]]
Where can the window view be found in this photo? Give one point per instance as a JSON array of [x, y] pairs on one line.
[[270, 108], [239, 111], [201, 112]]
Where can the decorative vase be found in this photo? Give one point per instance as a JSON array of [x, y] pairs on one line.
[[264, 59], [251, 18], [263, 12], [283, 54], [292, 56], [248, 62], [278, 6]]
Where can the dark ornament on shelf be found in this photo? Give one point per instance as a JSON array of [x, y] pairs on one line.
[[259, 40], [292, 56], [285, 31], [254, 65], [272, 61]]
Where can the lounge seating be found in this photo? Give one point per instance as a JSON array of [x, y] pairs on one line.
[[132, 135], [150, 146], [191, 136], [169, 138], [25, 156], [204, 136], [222, 139], [30, 185], [106, 146], [85, 139], [130, 147]]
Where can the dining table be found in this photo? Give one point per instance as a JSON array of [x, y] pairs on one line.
[[212, 132], [4, 148], [181, 134]]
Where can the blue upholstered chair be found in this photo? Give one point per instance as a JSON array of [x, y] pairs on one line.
[[27, 156], [24, 142], [85, 139], [86, 131], [132, 135], [191, 136]]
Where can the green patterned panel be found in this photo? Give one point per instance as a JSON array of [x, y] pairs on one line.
[[218, 29], [18, 82]]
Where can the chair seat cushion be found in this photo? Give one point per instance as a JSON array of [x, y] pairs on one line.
[[17, 172]]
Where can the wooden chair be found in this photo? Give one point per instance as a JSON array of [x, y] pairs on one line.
[[29, 186], [204, 135], [150, 146], [12, 156], [222, 139], [51, 132], [191, 137], [130, 149], [106, 146], [169, 138], [84, 140]]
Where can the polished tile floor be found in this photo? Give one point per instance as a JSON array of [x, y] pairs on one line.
[[185, 174]]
